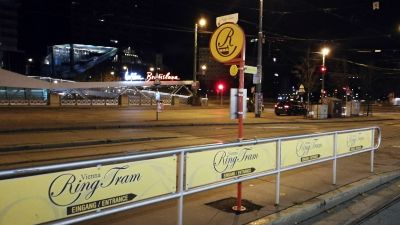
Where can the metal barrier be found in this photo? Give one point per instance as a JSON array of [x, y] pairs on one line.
[[37, 102], [83, 102], [68, 102], [193, 169], [19, 102], [111, 102], [98, 102], [4, 102]]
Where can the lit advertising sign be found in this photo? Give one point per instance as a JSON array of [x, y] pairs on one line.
[[53, 196], [227, 163], [298, 151], [164, 77], [354, 141], [133, 76]]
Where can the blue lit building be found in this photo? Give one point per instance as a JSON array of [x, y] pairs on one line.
[[91, 63]]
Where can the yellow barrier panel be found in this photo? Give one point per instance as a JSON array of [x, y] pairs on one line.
[[48, 197], [354, 141], [216, 165], [303, 150]]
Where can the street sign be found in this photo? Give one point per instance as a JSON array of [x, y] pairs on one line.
[[301, 89], [227, 42], [256, 79], [158, 96], [250, 69], [231, 18], [234, 96], [233, 70]]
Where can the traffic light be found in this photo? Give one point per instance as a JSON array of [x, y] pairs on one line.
[[220, 87], [323, 69]]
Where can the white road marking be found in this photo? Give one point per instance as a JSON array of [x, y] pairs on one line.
[[280, 127]]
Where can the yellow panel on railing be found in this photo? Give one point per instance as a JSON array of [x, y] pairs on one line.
[[216, 165], [354, 141], [48, 197], [304, 150]]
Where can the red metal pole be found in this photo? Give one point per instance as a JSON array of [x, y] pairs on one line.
[[240, 93], [240, 117], [239, 197]]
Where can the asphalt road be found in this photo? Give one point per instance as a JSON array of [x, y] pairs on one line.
[[53, 135], [41, 136]]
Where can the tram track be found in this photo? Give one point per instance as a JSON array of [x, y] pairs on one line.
[[376, 211], [79, 144], [103, 147]]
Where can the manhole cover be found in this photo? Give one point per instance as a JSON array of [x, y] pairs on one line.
[[227, 203]]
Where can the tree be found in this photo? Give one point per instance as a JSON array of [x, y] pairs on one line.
[[305, 72]]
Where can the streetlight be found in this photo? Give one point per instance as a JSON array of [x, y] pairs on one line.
[[202, 23], [28, 65], [324, 51], [203, 69]]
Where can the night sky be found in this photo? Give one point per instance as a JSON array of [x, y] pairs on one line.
[[351, 27]]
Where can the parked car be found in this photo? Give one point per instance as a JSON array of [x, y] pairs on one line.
[[290, 108]]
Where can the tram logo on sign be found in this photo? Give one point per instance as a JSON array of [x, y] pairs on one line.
[[227, 42]]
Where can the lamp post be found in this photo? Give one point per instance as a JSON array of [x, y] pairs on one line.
[[324, 51], [258, 98], [202, 23], [28, 66]]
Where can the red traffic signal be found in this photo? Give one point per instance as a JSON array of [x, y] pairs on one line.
[[220, 87], [323, 69]]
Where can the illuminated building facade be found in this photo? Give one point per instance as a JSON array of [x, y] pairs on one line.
[[92, 63]]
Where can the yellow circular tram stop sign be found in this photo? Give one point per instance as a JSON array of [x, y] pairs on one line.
[[233, 70], [227, 42]]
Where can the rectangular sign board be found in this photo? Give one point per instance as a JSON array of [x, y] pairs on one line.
[[250, 69], [354, 141], [231, 18], [304, 150], [48, 197], [227, 163], [233, 103]]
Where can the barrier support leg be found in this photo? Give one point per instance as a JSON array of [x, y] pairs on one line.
[[334, 167], [334, 172], [180, 200], [372, 161], [277, 188]]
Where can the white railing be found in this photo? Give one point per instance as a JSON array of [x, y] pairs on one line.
[[193, 169]]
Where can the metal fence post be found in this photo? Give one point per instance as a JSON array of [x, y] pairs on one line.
[[335, 158], [372, 150], [180, 188], [278, 174]]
